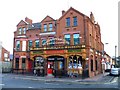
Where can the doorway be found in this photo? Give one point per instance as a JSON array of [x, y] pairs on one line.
[[56, 65]]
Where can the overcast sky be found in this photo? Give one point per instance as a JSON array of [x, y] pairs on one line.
[[13, 11]]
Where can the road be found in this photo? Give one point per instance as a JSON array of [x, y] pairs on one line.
[[18, 81]]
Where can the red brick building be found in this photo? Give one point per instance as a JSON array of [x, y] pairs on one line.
[[70, 45], [5, 55]]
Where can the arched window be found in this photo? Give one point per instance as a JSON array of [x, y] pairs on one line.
[[80, 62], [75, 62], [70, 62]]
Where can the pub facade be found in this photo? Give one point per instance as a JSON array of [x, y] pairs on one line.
[[68, 46]]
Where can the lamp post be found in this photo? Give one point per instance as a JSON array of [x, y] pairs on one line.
[[115, 55]]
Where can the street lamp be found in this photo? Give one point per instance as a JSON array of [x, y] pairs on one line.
[[115, 54]]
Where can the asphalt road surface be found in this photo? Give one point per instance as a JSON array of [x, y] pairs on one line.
[[14, 81]]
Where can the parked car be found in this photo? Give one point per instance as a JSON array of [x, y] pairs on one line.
[[115, 71]]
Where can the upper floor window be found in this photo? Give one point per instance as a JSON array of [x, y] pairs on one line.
[[45, 27], [20, 31], [43, 42], [76, 39], [36, 43], [17, 45], [68, 22], [29, 44], [50, 27], [75, 21], [24, 30], [23, 45], [67, 38], [52, 41]]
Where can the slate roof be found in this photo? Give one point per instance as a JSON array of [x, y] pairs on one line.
[[34, 26]]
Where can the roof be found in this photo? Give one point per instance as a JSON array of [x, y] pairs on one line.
[[34, 26], [48, 17], [73, 10], [22, 23]]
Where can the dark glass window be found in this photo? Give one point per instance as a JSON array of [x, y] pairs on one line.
[[29, 44], [91, 65], [52, 42], [67, 38], [76, 39], [75, 21], [43, 42], [17, 45], [36, 43], [96, 64], [23, 63], [17, 63], [68, 22]]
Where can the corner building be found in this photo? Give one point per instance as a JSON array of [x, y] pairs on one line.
[[68, 46]]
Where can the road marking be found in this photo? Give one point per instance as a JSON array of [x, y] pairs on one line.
[[115, 80], [30, 87], [52, 83], [2, 84]]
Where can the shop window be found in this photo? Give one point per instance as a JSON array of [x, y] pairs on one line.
[[70, 62], [67, 38], [61, 64], [75, 21], [91, 65], [23, 63], [17, 63], [80, 62], [76, 39], [39, 62], [68, 22], [74, 62]]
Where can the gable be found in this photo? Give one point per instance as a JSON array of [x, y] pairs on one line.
[[71, 10], [21, 23], [47, 18]]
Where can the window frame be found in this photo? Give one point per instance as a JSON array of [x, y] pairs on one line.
[[29, 46], [18, 45], [45, 27], [75, 23], [44, 42], [68, 22], [69, 38], [20, 31], [24, 30], [76, 38], [50, 27], [37, 41]]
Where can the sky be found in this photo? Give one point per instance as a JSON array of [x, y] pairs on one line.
[[104, 11]]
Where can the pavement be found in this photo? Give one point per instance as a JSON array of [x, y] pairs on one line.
[[98, 79]]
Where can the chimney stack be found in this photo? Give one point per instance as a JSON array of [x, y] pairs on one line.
[[28, 20], [63, 12], [92, 17]]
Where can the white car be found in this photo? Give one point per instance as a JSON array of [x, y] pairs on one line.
[[115, 71]]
